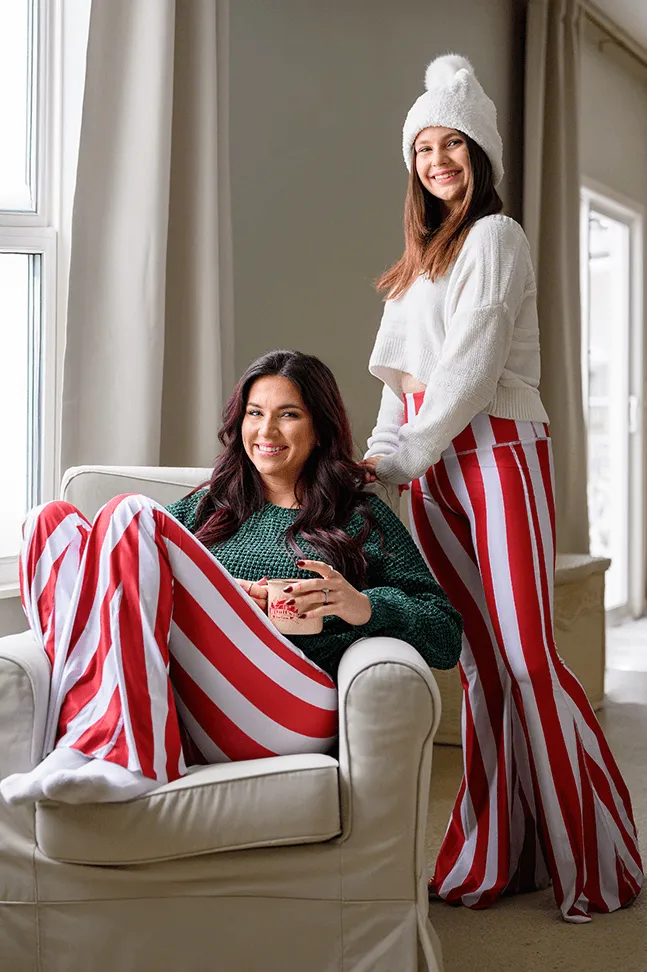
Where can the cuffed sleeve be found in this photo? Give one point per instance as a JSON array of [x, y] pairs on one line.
[[384, 438], [462, 385], [406, 601], [486, 291]]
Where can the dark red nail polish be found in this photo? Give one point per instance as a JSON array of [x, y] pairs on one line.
[[300, 563], [302, 616], [291, 601], [288, 590]]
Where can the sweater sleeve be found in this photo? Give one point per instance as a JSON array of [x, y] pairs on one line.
[[485, 293], [406, 601], [384, 437]]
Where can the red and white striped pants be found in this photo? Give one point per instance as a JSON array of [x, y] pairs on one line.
[[541, 797], [141, 624]]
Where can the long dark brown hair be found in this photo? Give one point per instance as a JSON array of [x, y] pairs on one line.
[[431, 242], [331, 485]]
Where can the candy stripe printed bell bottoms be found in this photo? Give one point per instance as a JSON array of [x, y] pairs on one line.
[[541, 797], [153, 644]]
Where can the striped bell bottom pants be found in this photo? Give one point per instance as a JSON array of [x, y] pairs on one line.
[[156, 651], [541, 797]]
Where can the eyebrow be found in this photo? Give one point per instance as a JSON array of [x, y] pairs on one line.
[[287, 405], [426, 140]]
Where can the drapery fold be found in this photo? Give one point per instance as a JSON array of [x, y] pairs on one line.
[[551, 220], [149, 356]]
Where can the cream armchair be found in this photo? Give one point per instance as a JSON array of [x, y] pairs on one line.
[[273, 865]]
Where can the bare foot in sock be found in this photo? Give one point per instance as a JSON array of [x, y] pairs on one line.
[[98, 781], [28, 787]]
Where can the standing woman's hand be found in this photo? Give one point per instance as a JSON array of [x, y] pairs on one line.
[[257, 590], [332, 595], [371, 474], [370, 468]]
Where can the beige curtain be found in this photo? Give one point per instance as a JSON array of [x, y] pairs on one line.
[[551, 221], [149, 354]]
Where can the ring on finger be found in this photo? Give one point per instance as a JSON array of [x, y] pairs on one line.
[[326, 593]]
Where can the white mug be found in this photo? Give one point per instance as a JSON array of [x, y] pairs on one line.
[[284, 616]]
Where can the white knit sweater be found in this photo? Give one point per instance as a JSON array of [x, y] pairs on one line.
[[471, 337]]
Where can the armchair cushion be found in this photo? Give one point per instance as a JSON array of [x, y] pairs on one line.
[[223, 807]]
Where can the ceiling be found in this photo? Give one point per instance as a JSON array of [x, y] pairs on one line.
[[630, 15]]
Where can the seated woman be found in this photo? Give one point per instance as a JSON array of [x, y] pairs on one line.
[[154, 620]]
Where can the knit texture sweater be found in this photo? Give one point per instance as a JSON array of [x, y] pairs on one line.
[[406, 601], [471, 337]]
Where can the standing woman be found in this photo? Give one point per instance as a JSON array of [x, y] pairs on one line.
[[462, 422]]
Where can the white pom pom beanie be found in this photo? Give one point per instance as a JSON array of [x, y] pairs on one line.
[[455, 99]]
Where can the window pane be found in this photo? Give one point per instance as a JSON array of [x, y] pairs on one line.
[[608, 407], [20, 315], [18, 46]]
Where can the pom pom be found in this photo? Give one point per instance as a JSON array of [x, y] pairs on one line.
[[440, 72]]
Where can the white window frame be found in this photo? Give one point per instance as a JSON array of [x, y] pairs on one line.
[[37, 232], [616, 206]]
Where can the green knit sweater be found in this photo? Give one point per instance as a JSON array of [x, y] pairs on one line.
[[406, 601]]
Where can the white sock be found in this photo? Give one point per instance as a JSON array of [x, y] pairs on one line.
[[28, 787], [577, 919], [97, 782]]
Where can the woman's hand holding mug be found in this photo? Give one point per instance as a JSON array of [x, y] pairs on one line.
[[257, 590], [331, 596]]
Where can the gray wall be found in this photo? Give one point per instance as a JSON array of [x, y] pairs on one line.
[[319, 92]]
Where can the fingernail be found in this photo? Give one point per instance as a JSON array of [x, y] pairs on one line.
[[302, 616], [288, 590], [291, 601], [300, 563]]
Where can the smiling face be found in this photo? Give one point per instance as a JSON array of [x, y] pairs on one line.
[[277, 431], [443, 164]]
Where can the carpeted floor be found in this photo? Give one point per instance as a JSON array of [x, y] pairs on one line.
[[526, 933]]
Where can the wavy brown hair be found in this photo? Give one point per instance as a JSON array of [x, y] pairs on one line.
[[431, 242], [331, 485]]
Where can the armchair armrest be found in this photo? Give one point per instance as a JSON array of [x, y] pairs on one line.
[[389, 709], [24, 693]]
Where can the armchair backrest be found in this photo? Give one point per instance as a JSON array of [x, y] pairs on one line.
[[89, 487]]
